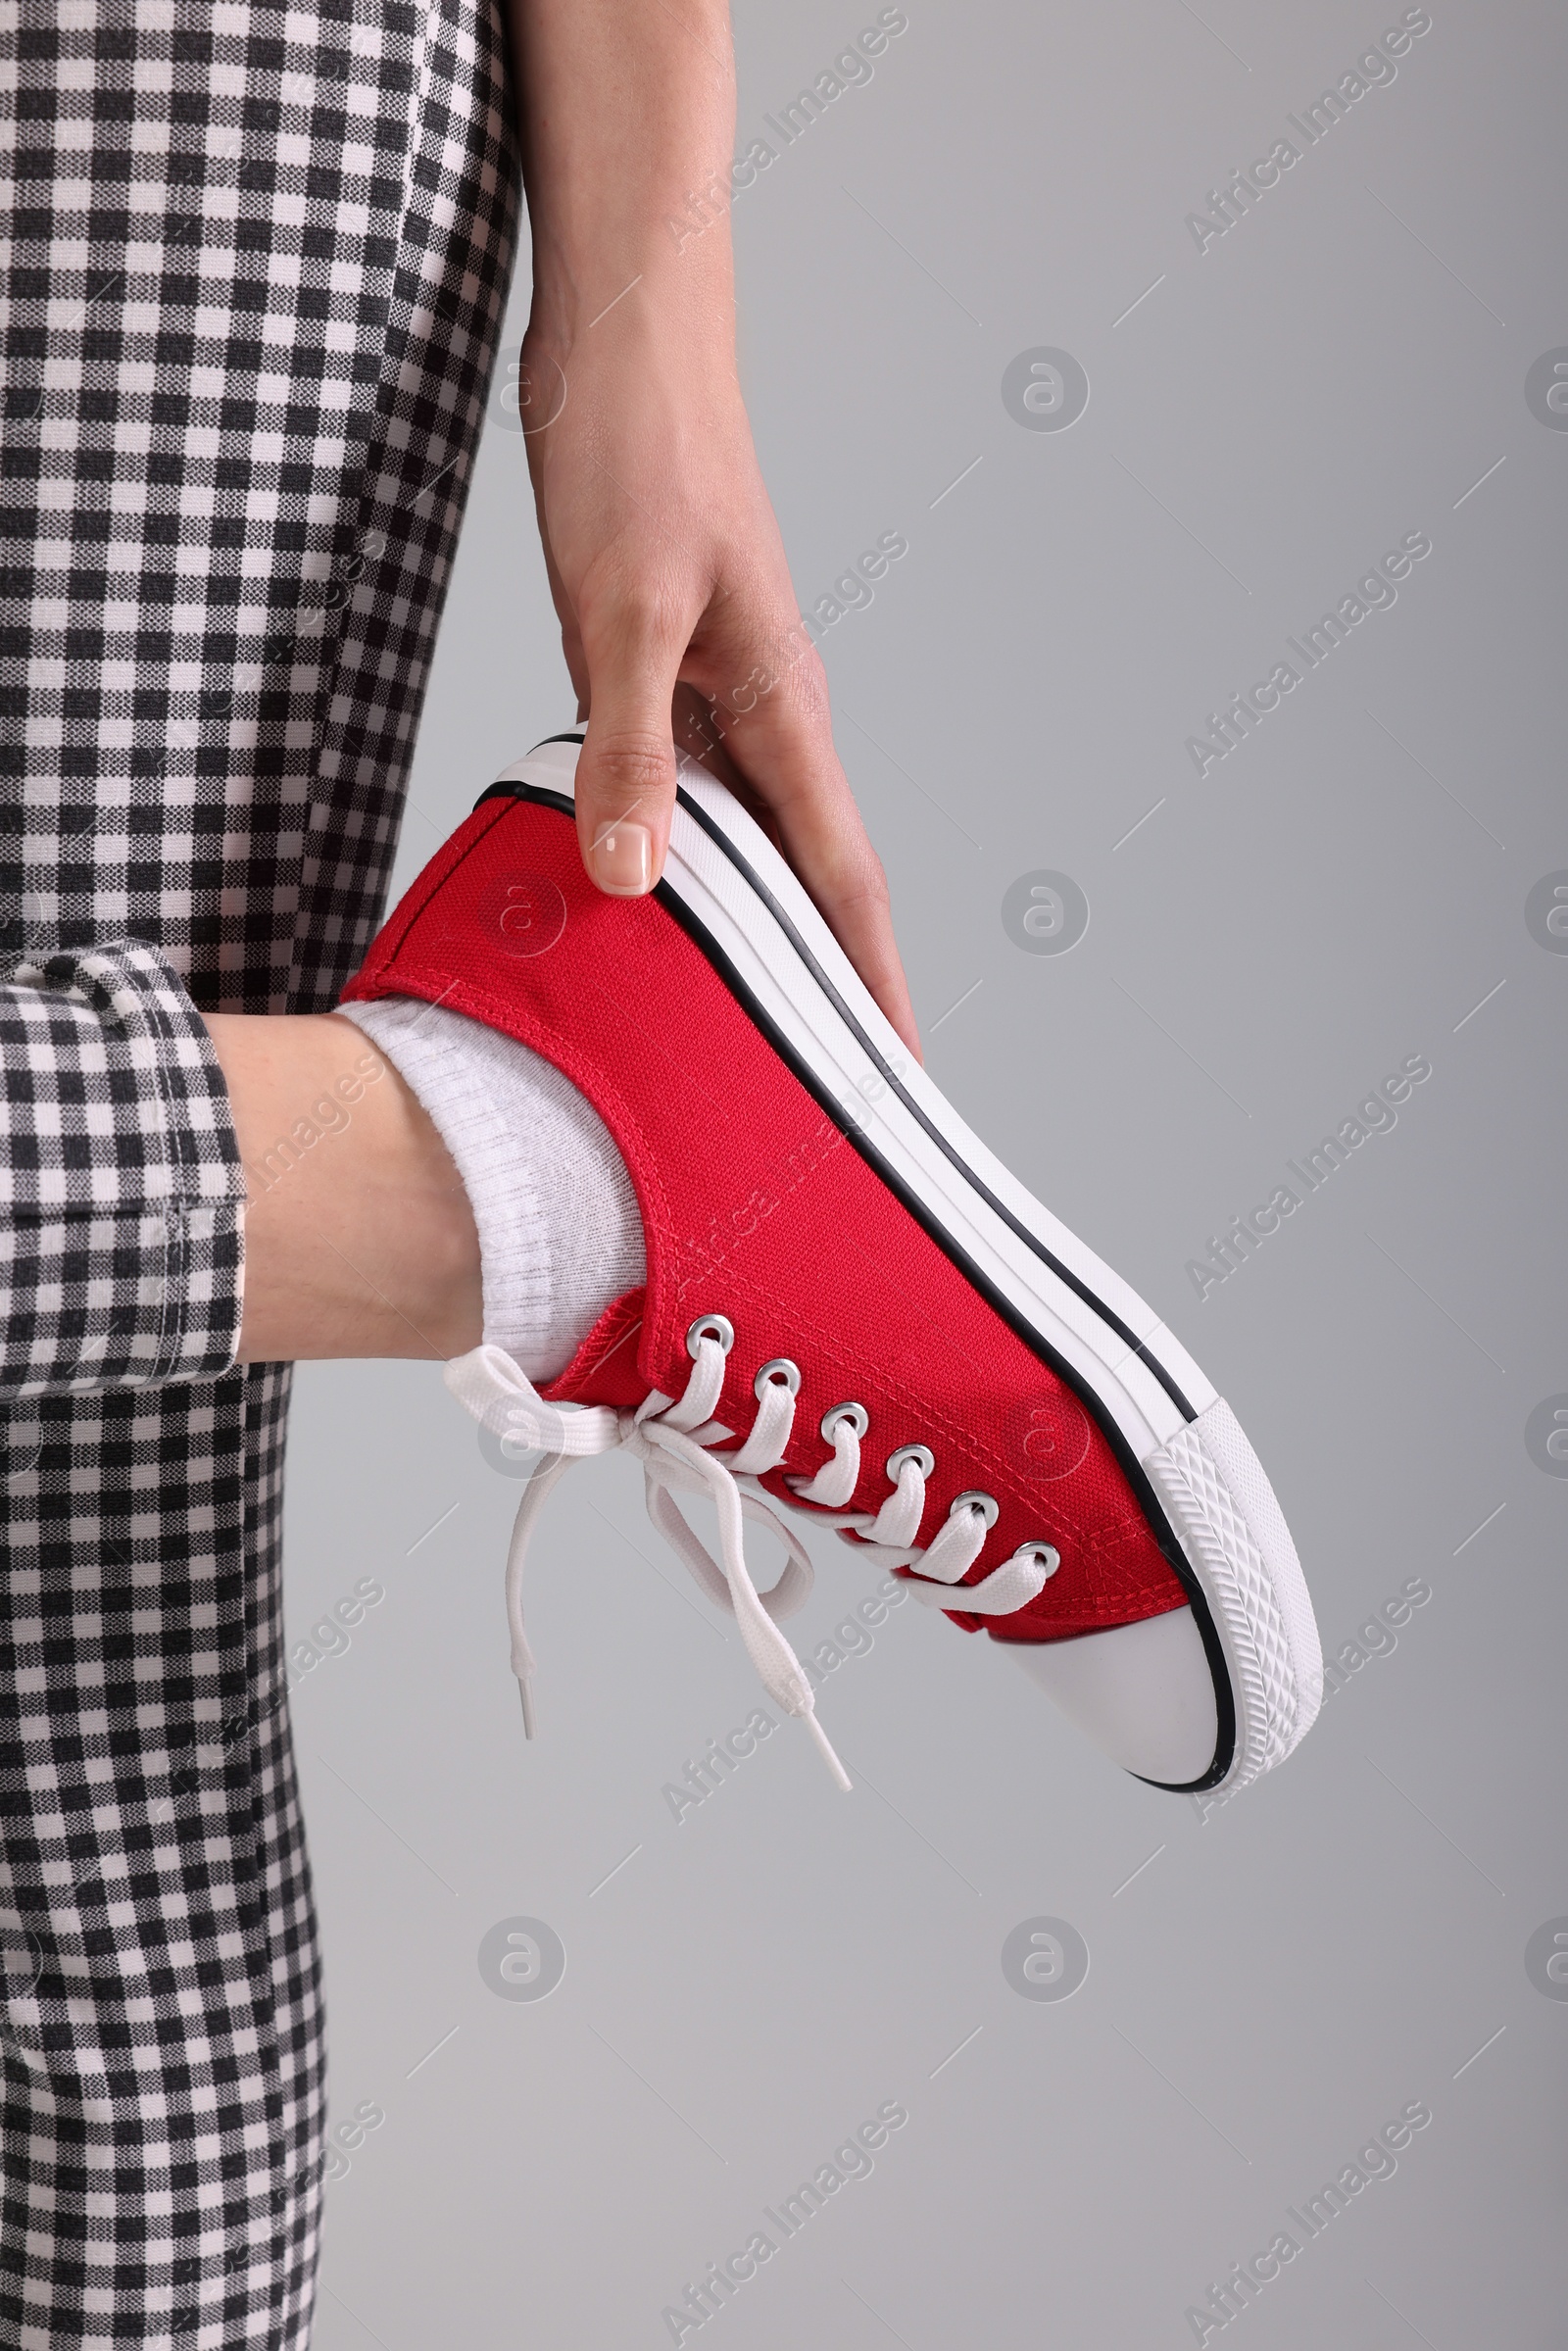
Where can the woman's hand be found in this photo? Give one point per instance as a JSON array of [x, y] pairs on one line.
[[665, 562]]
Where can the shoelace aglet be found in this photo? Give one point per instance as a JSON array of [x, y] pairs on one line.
[[525, 1692], [826, 1746]]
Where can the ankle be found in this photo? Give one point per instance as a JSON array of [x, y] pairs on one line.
[[558, 1226], [359, 1237]]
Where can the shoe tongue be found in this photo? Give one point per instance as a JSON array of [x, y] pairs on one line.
[[605, 1368]]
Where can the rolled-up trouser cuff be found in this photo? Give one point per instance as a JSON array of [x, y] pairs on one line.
[[122, 1194]]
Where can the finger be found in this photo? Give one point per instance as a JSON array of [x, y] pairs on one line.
[[700, 735], [566, 610], [626, 771], [571, 639], [784, 748]]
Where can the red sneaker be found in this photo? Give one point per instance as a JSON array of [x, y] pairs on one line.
[[917, 1352]]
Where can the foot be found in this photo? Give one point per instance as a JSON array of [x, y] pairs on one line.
[[852, 1310]]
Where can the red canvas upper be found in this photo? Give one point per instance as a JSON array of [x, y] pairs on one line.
[[757, 1205]]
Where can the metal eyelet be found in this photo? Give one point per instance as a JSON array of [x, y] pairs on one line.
[[711, 1326], [1040, 1554], [987, 1504], [919, 1454], [857, 1415], [780, 1373]]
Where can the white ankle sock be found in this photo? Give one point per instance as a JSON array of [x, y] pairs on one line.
[[559, 1233]]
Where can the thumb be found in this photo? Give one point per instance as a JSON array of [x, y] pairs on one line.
[[626, 769]]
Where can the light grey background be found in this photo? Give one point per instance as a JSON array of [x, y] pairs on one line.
[[1344, 891]]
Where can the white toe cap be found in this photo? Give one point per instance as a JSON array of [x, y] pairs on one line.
[[1142, 1692]]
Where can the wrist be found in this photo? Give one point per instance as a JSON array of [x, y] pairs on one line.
[[655, 292]]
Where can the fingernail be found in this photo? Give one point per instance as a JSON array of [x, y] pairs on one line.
[[621, 861]]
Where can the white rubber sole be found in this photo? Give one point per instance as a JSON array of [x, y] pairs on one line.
[[1180, 1444]]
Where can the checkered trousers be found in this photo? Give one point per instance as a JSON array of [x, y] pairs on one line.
[[253, 264]]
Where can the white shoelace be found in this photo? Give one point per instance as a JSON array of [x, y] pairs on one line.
[[673, 1440]]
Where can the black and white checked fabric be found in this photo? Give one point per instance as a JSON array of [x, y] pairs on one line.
[[121, 1194], [253, 264]]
